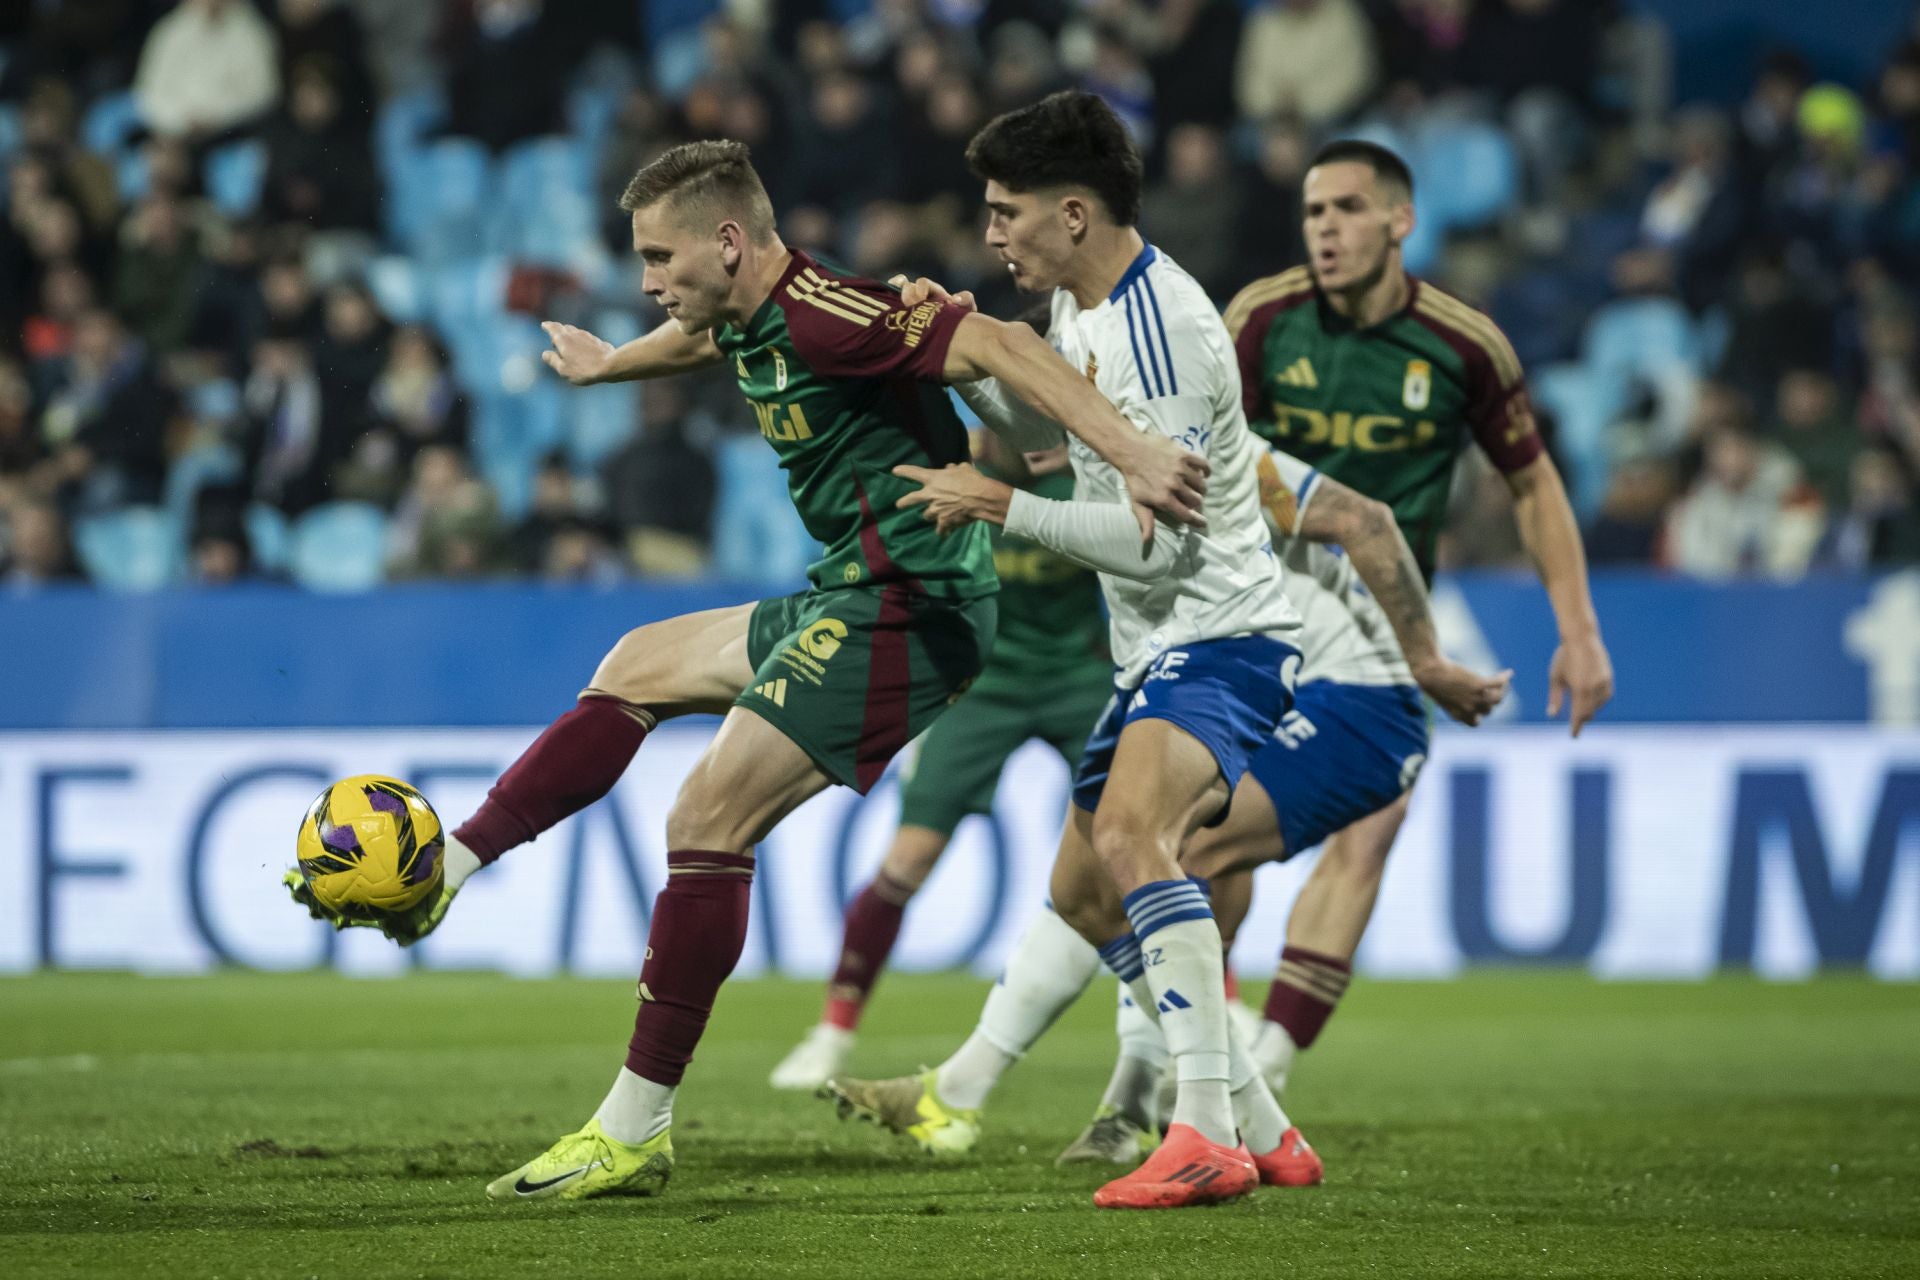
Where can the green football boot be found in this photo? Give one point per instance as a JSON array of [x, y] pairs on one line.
[[909, 1106], [589, 1163]]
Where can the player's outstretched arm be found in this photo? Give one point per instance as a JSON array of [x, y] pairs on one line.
[[1101, 536], [584, 359], [1161, 476], [1384, 561], [1581, 671]]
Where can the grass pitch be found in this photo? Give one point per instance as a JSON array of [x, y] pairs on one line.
[[1502, 1125]]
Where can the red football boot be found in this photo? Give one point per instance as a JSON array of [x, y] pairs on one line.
[[1291, 1164], [1185, 1170]]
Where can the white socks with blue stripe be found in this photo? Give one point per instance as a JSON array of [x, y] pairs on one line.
[[1049, 968], [1143, 1056], [1183, 981]]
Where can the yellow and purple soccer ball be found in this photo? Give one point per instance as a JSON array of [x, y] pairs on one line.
[[371, 844]]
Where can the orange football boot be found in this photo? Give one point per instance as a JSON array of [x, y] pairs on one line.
[[1291, 1164], [1187, 1169]]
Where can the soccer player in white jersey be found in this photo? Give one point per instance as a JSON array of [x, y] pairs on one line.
[[1345, 755], [1351, 747], [1200, 624]]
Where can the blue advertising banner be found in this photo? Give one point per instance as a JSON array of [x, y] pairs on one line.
[[1844, 650]]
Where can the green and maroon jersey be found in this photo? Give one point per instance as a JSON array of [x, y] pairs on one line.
[[1051, 624], [845, 382], [1384, 410]]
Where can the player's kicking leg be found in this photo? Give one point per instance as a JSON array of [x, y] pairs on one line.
[[695, 663], [751, 776]]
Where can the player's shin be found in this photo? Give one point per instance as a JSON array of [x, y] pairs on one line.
[[1306, 989], [699, 929], [573, 763], [1180, 946], [872, 926], [1049, 968]]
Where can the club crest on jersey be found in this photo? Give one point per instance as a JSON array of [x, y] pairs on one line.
[[779, 372], [1093, 366], [1417, 388]]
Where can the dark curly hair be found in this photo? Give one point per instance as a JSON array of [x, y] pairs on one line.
[[1067, 139]]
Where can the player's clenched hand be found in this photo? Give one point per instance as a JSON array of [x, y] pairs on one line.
[[953, 497], [1581, 670], [915, 292], [1162, 476], [578, 356], [1462, 692]]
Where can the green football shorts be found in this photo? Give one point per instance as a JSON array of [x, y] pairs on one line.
[[854, 674], [956, 767]]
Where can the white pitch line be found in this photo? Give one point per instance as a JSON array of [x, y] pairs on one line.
[[32, 1066]]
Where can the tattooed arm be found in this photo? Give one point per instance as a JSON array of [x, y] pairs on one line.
[[1384, 561]]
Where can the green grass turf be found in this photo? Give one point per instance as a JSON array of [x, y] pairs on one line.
[[1502, 1125]]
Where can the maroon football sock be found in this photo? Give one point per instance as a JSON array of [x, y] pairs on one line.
[[699, 928], [575, 762], [1305, 989], [873, 922]]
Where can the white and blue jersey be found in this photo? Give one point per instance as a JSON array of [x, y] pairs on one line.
[[1157, 348]]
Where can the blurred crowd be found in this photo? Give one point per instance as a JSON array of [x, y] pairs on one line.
[[269, 269]]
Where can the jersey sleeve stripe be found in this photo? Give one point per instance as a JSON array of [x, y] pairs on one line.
[[1150, 366], [1476, 328], [828, 305], [1160, 325], [850, 298], [1294, 280]]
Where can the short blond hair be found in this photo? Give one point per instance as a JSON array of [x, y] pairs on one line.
[[710, 180]]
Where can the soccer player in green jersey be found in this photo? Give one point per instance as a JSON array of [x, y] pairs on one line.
[[1048, 679], [817, 688], [1381, 380]]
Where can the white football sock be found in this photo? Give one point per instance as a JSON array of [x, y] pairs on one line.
[[1049, 968], [1143, 1059], [457, 862], [1273, 1051], [635, 1109], [1181, 946], [1255, 1110]]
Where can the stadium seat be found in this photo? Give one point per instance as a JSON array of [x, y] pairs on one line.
[[546, 214], [134, 549], [453, 180], [130, 174], [1468, 173], [193, 471], [110, 124], [600, 420], [341, 546], [400, 132], [1636, 341], [757, 533], [592, 110], [397, 288], [1644, 345], [234, 176], [270, 537], [1567, 392]]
